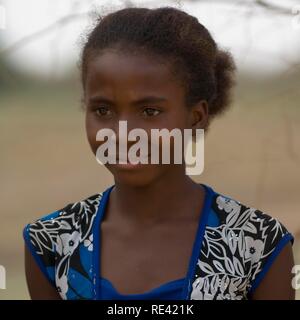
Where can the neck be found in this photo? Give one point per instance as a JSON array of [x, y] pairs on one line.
[[164, 199]]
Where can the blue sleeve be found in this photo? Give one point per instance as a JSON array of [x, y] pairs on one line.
[[40, 238], [273, 238]]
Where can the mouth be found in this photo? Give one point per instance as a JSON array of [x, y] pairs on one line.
[[126, 164]]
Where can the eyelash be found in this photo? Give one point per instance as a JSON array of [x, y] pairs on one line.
[[148, 108], [101, 115]]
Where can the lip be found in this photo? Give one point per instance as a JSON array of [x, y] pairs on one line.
[[129, 165]]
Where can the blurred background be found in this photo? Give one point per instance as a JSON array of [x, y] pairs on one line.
[[252, 152]]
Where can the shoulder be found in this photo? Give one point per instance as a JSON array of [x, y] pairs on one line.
[[74, 217], [256, 227], [239, 246], [53, 238]]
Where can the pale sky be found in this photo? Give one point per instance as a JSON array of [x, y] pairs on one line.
[[258, 41]]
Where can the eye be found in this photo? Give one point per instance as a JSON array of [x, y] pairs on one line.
[[150, 112], [103, 112]]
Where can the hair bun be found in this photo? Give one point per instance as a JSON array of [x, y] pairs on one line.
[[225, 79]]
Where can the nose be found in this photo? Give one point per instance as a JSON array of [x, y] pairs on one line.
[[122, 128], [124, 124]]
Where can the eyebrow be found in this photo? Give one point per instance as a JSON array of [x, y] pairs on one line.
[[147, 99]]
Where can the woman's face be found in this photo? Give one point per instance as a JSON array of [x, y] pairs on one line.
[[146, 94]]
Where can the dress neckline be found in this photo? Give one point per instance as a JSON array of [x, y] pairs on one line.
[[170, 285], [196, 248]]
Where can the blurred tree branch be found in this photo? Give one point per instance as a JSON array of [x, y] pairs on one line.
[[36, 35], [266, 5], [275, 8]]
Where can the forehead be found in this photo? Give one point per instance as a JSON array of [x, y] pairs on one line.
[[114, 72]]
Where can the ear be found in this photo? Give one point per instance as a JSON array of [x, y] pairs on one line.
[[199, 116]]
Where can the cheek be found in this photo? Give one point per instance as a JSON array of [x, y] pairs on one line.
[[177, 117], [92, 128]]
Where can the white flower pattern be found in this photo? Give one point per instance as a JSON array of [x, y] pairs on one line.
[[58, 238], [66, 243], [254, 249], [232, 253], [89, 243], [62, 286]]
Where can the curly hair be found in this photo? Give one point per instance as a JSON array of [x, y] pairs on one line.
[[206, 71]]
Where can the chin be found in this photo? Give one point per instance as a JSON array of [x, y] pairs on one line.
[[135, 176]]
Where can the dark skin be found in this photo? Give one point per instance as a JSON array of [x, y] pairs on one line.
[[154, 233]]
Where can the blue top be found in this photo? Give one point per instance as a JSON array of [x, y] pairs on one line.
[[171, 290], [234, 247]]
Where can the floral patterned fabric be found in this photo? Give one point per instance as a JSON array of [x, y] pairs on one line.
[[237, 252], [234, 247], [62, 244]]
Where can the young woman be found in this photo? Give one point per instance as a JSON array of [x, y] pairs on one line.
[[155, 233]]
